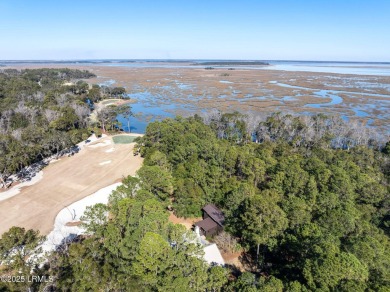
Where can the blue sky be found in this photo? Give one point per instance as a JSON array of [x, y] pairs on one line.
[[196, 29]]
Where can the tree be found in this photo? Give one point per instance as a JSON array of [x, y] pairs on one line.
[[175, 268], [152, 259], [218, 277], [17, 243], [126, 111], [131, 220], [156, 180], [118, 91], [386, 149], [128, 189], [245, 282], [9, 158], [262, 220], [68, 120], [18, 250], [329, 271], [95, 218], [94, 94], [107, 116], [270, 284]]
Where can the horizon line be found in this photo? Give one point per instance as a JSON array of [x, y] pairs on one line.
[[182, 60]]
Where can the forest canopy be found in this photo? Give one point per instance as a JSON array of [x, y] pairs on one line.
[[310, 215], [45, 111], [309, 218], [306, 199]]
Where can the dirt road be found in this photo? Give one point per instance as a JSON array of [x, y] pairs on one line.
[[68, 180]]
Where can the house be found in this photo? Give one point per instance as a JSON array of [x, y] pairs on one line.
[[213, 220]]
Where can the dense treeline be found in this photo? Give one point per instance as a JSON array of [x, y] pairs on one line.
[[310, 216], [304, 130], [135, 248], [313, 216], [43, 111]]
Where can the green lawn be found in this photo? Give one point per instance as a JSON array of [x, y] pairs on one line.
[[123, 139], [109, 102]]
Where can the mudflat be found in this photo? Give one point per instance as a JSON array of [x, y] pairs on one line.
[[184, 90], [68, 180]]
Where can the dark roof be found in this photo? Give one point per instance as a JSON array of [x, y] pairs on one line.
[[215, 213], [206, 224]]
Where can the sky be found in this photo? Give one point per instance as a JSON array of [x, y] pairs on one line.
[[337, 30]]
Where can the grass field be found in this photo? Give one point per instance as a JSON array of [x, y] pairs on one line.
[[122, 139]]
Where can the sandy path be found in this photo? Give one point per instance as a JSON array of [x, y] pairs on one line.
[[188, 223], [67, 181]]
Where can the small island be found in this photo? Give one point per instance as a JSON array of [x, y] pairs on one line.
[[233, 63]]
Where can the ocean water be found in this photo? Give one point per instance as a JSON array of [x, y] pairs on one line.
[[355, 68], [372, 69]]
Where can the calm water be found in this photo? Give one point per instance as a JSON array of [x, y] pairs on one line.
[[146, 110], [358, 68], [372, 69], [355, 68]]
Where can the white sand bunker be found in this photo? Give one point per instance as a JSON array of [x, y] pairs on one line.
[[105, 162], [110, 150], [63, 230], [16, 189], [101, 144]]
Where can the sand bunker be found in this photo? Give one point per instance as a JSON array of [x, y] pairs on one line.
[[63, 229], [13, 191], [100, 144], [64, 182]]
